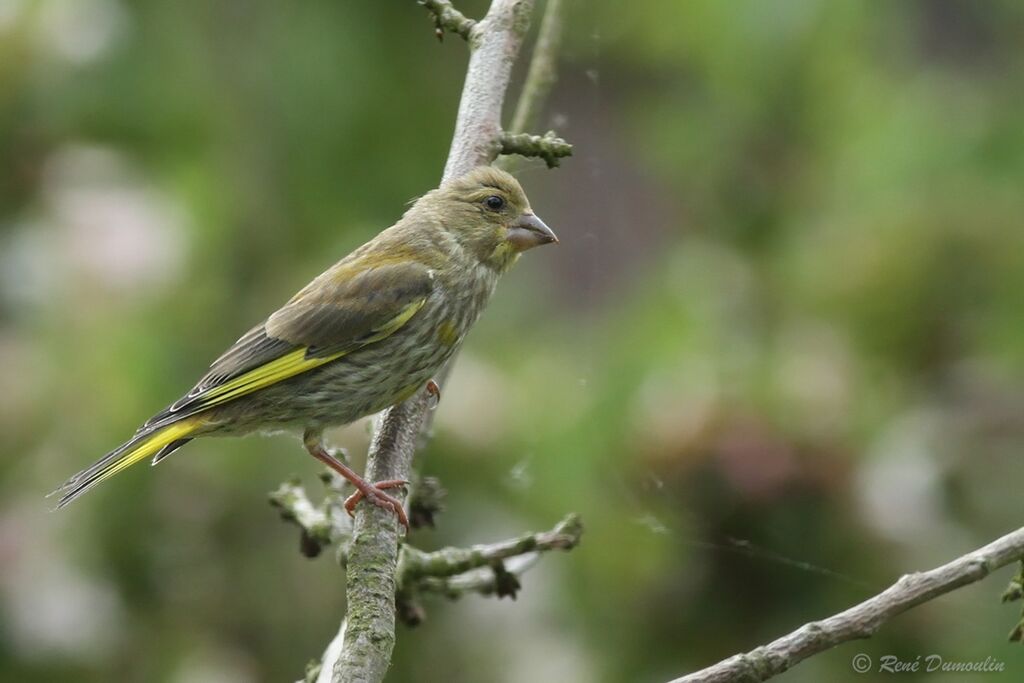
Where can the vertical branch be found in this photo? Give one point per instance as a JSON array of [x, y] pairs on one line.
[[373, 554], [370, 622]]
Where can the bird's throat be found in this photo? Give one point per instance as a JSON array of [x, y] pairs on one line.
[[503, 257]]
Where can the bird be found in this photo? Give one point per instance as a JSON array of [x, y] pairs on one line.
[[366, 334]]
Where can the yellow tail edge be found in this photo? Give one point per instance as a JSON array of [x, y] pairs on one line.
[[138, 448]]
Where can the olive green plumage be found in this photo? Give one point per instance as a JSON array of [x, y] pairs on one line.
[[362, 336]]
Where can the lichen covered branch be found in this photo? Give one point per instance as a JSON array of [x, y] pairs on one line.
[[447, 18], [488, 569], [321, 524], [548, 147], [501, 579], [492, 569], [447, 562], [863, 620], [372, 556]]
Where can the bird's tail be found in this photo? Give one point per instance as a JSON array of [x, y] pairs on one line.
[[139, 447]]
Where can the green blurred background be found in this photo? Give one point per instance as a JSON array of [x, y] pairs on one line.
[[775, 363]]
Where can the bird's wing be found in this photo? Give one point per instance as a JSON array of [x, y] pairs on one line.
[[346, 308]]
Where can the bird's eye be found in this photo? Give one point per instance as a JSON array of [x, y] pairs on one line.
[[494, 203]]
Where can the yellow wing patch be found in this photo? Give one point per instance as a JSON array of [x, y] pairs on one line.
[[296, 363]]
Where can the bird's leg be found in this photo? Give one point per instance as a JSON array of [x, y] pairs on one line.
[[374, 493], [434, 391]]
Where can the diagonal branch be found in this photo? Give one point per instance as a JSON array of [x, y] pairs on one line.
[[863, 620]]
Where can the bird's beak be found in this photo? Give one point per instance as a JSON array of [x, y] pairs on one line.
[[528, 231]]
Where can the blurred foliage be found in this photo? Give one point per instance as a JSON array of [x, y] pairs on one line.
[[776, 362]]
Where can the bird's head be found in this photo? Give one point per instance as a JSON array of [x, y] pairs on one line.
[[488, 213]]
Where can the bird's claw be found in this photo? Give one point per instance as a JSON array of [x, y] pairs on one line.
[[375, 494]]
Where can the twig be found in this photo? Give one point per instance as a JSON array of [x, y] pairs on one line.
[[548, 147], [863, 620], [447, 18], [321, 525], [492, 569], [449, 571], [485, 581], [447, 562]]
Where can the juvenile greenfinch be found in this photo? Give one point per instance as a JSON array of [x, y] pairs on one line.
[[364, 335]]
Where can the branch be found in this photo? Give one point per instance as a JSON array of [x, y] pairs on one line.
[[447, 18], [373, 553], [451, 572], [322, 524], [548, 147], [863, 620], [501, 579], [483, 569], [499, 35], [447, 562]]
